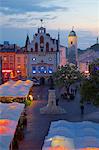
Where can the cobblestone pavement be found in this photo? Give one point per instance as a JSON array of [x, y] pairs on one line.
[[38, 125]]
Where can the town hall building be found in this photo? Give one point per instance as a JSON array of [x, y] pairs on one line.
[[43, 54]]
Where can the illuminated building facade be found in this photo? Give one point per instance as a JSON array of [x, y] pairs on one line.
[[13, 61], [7, 52], [89, 55], [43, 54], [63, 59], [21, 64], [72, 48]]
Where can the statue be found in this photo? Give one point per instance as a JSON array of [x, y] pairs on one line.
[[51, 83]]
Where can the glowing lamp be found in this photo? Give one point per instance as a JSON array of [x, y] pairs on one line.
[[18, 71], [31, 97], [34, 71], [87, 71], [7, 71]]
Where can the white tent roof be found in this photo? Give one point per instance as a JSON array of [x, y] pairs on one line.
[[9, 116], [15, 88], [71, 135]]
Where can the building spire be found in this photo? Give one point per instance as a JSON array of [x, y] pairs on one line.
[[97, 40], [27, 41]]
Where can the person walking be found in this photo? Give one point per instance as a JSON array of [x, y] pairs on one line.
[[82, 107]]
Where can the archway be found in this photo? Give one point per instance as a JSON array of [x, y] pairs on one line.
[[42, 81]]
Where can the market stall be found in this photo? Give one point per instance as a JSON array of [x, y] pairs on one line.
[[15, 90], [72, 136], [10, 114]]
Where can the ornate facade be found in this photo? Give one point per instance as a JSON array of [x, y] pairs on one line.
[[43, 54]]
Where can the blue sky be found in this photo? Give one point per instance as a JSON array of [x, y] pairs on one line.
[[17, 18]]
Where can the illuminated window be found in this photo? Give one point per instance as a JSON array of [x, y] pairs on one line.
[[5, 58], [5, 65], [50, 70], [11, 65], [11, 58], [34, 69], [33, 58], [42, 69]]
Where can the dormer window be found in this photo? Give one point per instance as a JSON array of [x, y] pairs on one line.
[[36, 47], [41, 41], [47, 47]]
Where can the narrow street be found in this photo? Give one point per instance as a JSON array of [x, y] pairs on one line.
[[38, 125]]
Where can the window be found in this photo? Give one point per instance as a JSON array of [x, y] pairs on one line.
[[24, 60], [11, 65], [71, 42], [5, 65], [41, 39], [31, 49], [51, 49], [33, 58], [50, 70], [47, 46], [34, 69], [11, 58], [5, 58], [42, 69], [41, 49], [36, 47], [18, 59]]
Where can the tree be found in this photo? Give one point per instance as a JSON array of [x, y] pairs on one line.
[[90, 87], [66, 75]]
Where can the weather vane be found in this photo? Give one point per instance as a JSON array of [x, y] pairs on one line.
[[41, 22]]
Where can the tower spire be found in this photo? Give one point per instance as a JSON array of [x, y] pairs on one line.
[[97, 40], [27, 41]]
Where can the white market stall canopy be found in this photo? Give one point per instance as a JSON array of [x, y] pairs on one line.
[[65, 135], [9, 117], [15, 88]]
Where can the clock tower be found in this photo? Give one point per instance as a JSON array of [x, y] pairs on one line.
[[72, 47]]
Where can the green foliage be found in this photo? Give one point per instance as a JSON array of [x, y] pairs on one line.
[[88, 90], [66, 75], [27, 102], [90, 87]]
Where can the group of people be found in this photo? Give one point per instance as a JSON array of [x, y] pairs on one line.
[[69, 93]]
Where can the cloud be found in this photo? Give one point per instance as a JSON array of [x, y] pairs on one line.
[[26, 20], [23, 13], [30, 6]]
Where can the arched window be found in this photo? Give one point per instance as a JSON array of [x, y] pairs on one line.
[[51, 49], [41, 39], [36, 47], [47, 46]]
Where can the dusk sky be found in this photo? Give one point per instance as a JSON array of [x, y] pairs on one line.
[[19, 17]]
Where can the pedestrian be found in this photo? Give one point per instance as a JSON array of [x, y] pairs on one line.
[[57, 101], [82, 107]]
